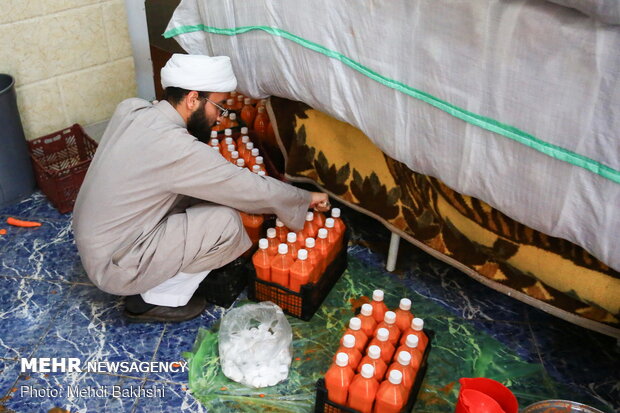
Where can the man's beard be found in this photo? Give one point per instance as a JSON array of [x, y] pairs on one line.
[[199, 125]]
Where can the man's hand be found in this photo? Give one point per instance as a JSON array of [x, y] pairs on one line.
[[320, 202]]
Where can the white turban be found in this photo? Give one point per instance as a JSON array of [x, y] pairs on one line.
[[200, 73]]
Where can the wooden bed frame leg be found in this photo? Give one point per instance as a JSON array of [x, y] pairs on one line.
[[393, 252]]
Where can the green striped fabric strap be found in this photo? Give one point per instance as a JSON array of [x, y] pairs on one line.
[[492, 125]]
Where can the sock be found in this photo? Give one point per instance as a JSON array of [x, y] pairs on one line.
[[136, 305]]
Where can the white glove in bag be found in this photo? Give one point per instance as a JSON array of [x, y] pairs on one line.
[[255, 345]]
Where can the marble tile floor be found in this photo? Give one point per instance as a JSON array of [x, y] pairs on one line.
[[49, 308]]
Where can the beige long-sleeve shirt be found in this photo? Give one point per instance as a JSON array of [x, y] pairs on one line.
[[145, 164]]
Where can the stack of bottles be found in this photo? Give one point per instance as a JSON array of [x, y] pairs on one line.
[[245, 112], [380, 354], [239, 151], [292, 259]]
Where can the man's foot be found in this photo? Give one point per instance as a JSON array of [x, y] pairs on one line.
[[160, 313]]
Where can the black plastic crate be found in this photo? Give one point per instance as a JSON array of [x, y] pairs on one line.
[[223, 285], [301, 304], [324, 405]]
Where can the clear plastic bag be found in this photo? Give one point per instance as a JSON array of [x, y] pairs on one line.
[[255, 345]]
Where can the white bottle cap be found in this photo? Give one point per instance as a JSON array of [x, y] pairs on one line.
[[309, 216], [329, 223], [291, 237], [417, 324], [389, 317], [232, 116], [383, 334], [405, 304], [214, 142], [348, 341], [233, 93], [228, 140], [261, 109], [374, 352], [244, 130], [262, 173], [354, 323], [323, 233], [234, 154], [412, 341], [255, 152], [240, 98], [216, 148], [271, 233], [342, 359], [302, 254], [228, 132], [249, 146], [231, 102], [404, 358], [231, 148], [396, 377], [366, 310], [241, 163], [256, 169], [247, 101], [259, 160], [310, 243], [279, 223], [213, 134], [263, 243], [335, 212], [282, 249], [377, 295], [245, 138], [368, 371]]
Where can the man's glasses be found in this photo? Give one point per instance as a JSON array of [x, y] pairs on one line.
[[223, 110]]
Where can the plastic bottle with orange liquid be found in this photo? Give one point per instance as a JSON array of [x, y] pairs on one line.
[[301, 271], [281, 266], [378, 306], [369, 324], [391, 396], [319, 219], [338, 379], [281, 231], [315, 259], [403, 364], [403, 314], [260, 122], [230, 103], [332, 237], [355, 330], [417, 328], [262, 260], [310, 230], [241, 142], [411, 346], [291, 241], [323, 246], [248, 112], [273, 242], [373, 357], [363, 390], [253, 224], [348, 346], [247, 151], [389, 323], [232, 120], [338, 222], [381, 339]]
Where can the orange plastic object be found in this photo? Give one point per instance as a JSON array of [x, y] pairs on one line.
[[24, 224]]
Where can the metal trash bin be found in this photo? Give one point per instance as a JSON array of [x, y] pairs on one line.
[[16, 176]]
